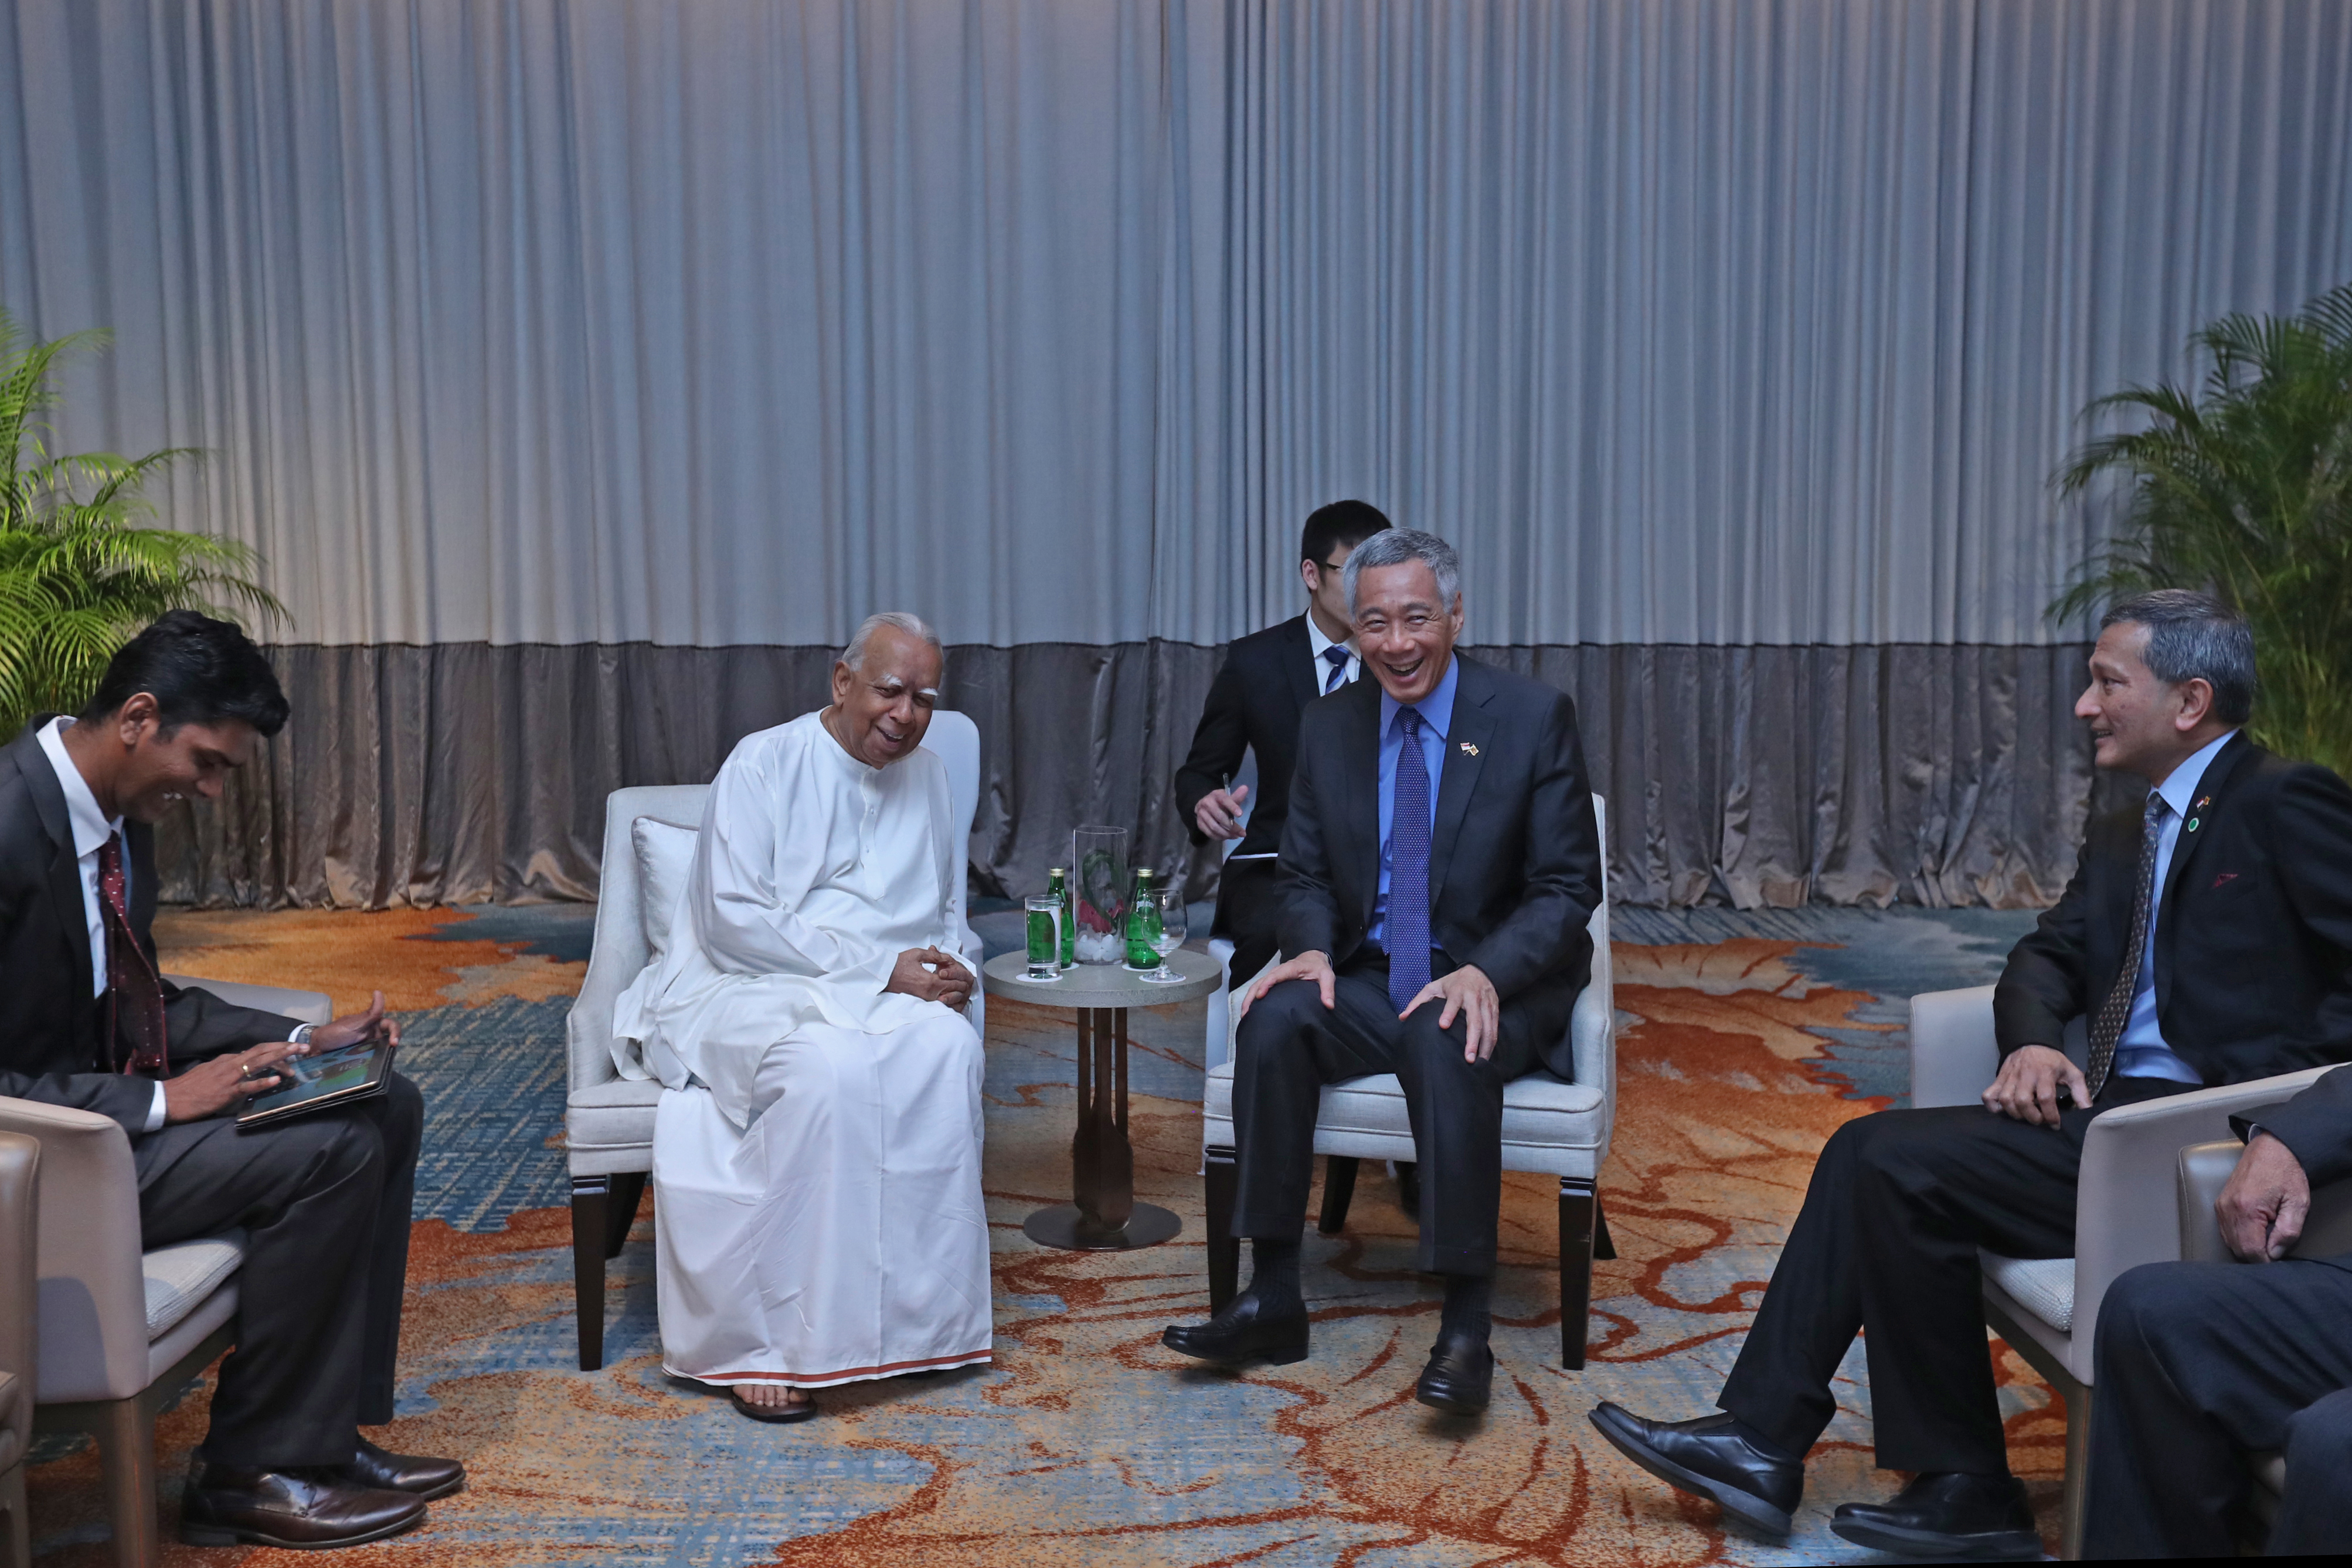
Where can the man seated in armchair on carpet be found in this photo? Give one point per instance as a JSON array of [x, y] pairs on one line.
[[2198, 1365], [1439, 867], [816, 1150], [323, 1198], [2207, 934]]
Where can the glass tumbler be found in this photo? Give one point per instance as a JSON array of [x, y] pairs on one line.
[[1045, 911]]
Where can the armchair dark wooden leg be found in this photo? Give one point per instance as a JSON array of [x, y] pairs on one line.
[[1338, 1191], [591, 1227], [628, 1189], [1602, 1248], [1218, 1182], [1578, 1210]]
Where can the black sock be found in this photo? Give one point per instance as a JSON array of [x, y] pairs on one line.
[[1274, 1272], [1469, 1305], [1761, 1443]]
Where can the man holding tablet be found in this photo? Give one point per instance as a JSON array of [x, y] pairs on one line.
[[323, 1196]]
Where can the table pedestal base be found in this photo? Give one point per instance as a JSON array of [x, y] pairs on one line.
[[1063, 1226]]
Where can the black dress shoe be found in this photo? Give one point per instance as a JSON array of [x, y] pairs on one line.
[[304, 1510], [417, 1476], [1708, 1459], [1459, 1376], [1244, 1331], [1947, 1515]]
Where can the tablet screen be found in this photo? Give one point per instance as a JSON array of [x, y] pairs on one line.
[[313, 1078]]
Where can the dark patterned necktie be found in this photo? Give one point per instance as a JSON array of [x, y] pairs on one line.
[[1336, 656], [2108, 1028], [1408, 932], [134, 995]]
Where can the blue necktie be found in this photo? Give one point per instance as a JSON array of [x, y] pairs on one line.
[[1408, 932], [1336, 656]]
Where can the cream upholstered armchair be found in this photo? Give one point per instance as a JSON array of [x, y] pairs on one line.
[[121, 1329], [1548, 1126], [608, 1119], [2047, 1308]]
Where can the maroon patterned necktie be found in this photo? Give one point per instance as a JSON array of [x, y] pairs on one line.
[[134, 995]]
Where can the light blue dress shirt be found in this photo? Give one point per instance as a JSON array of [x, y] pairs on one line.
[[2141, 1051], [1436, 711]]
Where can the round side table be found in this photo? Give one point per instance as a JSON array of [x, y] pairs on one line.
[[1105, 1217]]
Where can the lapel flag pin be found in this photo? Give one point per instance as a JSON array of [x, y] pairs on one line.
[[2203, 802], [1468, 749]]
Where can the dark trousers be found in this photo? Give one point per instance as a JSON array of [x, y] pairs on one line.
[[325, 1202], [1248, 906], [1289, 1046], [1886, 1244], [2196, 1365]]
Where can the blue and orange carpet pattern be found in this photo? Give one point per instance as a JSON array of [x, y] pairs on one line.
[[1745, 1041]]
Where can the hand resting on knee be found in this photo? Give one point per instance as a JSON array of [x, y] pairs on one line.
[[2028, 1083]]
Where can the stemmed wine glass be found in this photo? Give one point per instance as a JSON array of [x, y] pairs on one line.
[[1168, 933]]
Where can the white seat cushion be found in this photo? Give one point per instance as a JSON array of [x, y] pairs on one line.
[[179, 1277], [614, 1115], [2042, 1286], [1548, 1125], [665, 856]]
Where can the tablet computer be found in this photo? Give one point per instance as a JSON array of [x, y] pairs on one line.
[[311, 1084]]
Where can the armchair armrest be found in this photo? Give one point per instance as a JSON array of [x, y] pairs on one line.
[[91, 1289], [1953, 1055], [2205, 1169], [2131, 1156], [302, 1007]]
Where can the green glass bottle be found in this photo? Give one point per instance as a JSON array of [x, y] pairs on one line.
[[1060, 888], [1142, 925]]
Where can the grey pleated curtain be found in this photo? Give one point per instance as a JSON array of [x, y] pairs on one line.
[[596, 365]]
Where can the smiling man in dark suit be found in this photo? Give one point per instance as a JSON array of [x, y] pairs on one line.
[[1268, 679], [2207, 935], [1440, 865], [323, 1198]]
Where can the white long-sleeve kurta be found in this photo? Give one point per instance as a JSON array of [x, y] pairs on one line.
[[816, 1152], [814, 872]]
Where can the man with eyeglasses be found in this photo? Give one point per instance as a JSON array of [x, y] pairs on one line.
[[1268, 679]]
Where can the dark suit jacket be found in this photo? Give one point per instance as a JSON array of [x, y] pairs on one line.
[[1515, 857], [51, 1044], [1265, 686], [2253, 936]]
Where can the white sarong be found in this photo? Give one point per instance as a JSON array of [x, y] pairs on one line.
[[843, 1236]]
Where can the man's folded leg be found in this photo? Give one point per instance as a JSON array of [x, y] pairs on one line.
[[274, 1468], [2196, 1365], [1887, 1239], [1288, 1046]]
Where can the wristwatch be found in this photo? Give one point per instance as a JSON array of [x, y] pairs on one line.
[[303, 1032]]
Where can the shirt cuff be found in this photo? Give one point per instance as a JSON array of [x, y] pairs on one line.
[[155, 1112]]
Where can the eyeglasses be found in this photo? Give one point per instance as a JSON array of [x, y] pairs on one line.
[[1332, 565]]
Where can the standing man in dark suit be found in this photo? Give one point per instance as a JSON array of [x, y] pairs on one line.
[[1268, 679], [2198, 1365], [1438, 871], [323, 1198], [2208, 936]]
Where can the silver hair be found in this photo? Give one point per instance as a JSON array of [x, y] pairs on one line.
[[1395, 548], [913, 625], [2194, 636]]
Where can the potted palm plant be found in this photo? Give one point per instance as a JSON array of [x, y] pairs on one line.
[[2243, 488], [79, 573]]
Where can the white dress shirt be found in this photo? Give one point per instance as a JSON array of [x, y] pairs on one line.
[[2141, 1050], [1317, 643], [91, 828]]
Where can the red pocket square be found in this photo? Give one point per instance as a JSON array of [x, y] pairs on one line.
[[2225, 876]]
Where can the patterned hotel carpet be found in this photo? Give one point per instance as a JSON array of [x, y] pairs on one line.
[[1747, 1039]]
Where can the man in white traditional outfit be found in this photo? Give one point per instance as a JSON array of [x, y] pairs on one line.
[[816, 1152]]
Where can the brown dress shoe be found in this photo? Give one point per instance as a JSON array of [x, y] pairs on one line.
[[304, 1508], [414, 1474]]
